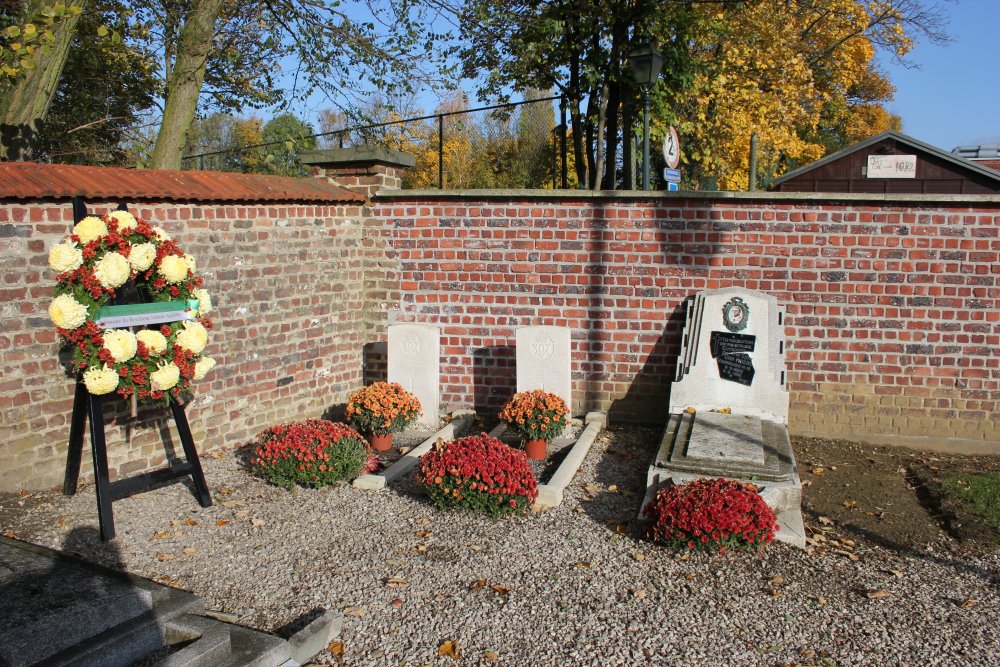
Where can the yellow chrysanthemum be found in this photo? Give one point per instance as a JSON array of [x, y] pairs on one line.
[[154, 341], [90, 228], [121, 343], [112, 270], [67, 313], [100, 381], [173, 268], [141, 256], [165, 377], [202, 367], [65, 257], [126, 220]]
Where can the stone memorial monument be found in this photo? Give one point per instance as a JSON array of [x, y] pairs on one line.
[[729, 404], [544, 358], [414, 362]]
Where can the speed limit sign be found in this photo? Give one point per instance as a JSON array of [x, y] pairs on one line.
[[672, 148]]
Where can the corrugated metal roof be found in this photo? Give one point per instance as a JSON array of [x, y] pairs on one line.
[[29, 180], [980, 151]]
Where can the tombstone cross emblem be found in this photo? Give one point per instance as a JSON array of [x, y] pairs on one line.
[[411, 345], [542, 347]]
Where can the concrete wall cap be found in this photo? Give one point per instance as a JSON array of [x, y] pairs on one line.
[[334, 157]]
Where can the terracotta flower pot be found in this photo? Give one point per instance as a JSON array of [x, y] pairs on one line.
[[536, 449], [381, 443]]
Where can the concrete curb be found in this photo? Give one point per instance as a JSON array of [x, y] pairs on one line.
[[551, 495], [460, 420]]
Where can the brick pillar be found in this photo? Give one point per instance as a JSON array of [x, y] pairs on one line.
[[362, 169]]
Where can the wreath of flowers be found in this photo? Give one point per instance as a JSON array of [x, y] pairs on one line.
[[99, 257]]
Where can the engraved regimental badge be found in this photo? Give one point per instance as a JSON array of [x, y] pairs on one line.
[[735, 314]]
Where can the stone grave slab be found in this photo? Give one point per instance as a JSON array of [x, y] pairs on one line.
[[415, 363], [544, 361], [733, 355]]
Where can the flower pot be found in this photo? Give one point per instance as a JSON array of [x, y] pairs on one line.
[[381, 443], [536, 449]]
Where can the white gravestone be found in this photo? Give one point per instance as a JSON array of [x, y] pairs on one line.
[[543, 361], [414, 362], [733, 356]]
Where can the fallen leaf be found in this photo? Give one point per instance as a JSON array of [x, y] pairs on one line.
[[475, 547], [969, 602], [612, 488], [690, 575], [807, 653], [229, 504], [775, 593], [162, 556], [896, 573], [335, 648], [450, 649], [216, 454], [477, 584], [257, 523], [582, 566], [405, 450], [690, 410], [222, 522], [161, 534], [190, 551], [826, 521], [225, 490], [396, 582], [354, 611], [821, 600], [777, 580], [848, 543], [807, 482], [818, 471], [846, 553], [421, 548], [397, 602], [423, 533], [638, 556], [174, 523], [878, 594], [24, 493], [640, 593], [591, 488], [620, 529], [423, 521], [489, 655], [877, 515], [178, 533], [60, 522], [500, 590], [190, 522], [850, 504]]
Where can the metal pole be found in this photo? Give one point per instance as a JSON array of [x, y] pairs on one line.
[[645, 137], [565, 128], [440, 152], [555, 158], [753, 162]]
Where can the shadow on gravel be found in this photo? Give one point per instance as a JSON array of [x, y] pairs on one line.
[[296, 624], [871, 537]]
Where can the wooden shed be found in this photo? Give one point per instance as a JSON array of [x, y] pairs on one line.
[[891, 163]]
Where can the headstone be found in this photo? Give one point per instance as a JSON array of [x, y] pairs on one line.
[[544, 358], [733, 356], [415, 362], [729, 404]]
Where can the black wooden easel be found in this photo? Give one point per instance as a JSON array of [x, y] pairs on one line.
[[86, 404]]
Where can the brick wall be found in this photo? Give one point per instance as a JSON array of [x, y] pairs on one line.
[[894, 326], [289, 284]]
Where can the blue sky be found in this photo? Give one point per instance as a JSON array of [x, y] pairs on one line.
[[954, 98]]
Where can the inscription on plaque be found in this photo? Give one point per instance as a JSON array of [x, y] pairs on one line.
[[736, 368], [730, 343], [542, 346]]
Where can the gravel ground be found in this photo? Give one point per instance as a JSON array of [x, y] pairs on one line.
[[571, 586]]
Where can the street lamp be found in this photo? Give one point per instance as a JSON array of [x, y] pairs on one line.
[[645, 62]]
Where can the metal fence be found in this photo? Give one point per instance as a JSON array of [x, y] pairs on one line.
[[515, 145]]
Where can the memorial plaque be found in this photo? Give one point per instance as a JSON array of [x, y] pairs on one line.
[[414, 362], [732, 355], [543, 361]]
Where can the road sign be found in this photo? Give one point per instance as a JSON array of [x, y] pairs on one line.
[[672, 175], [672, 148], [672, 187]]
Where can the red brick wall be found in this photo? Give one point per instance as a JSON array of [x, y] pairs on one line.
[[292, 314], [893, 318]]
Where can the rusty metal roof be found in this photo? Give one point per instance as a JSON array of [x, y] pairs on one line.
[[29, 180]]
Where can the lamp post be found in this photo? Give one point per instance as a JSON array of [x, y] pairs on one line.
[[645, 62]]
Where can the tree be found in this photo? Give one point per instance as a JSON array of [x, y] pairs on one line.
[[285, 136], [36, 41], [108, 85], [333, 52]]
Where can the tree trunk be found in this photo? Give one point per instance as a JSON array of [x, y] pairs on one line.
[[184, 85], [599, 141], [26, 104], [614, 109]]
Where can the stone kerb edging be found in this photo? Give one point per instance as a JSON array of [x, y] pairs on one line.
[[460, 420], [551, 494]]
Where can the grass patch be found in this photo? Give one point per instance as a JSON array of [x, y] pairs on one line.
[[979, 493]]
